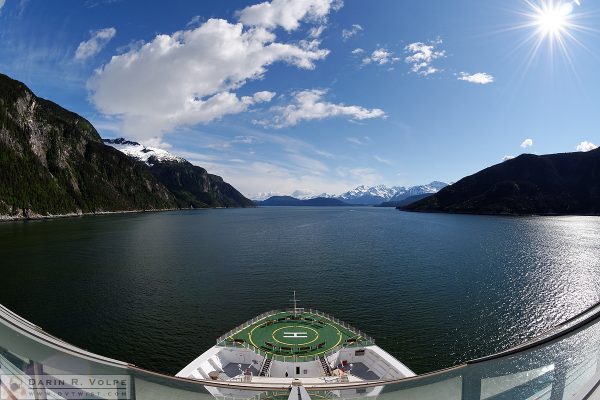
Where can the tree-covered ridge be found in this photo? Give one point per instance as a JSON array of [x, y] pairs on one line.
[[53, 161], [567, 183]]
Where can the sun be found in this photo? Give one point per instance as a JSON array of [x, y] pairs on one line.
[[553, 20], [552, 25]]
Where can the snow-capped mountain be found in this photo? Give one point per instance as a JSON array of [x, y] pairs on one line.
[[262, 196], [191, 185], [431, 188], [369, 195], [297, 194], [149, 155], [364, 195], [373, 195]]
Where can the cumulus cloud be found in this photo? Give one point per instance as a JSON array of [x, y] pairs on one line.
[[506, 158], [358, 50], [95, 44], [191, 76], [380, 56], [481, 78], [422, 55], [1, 4], [348, 33], [286, 13], [316, 31], [195, 21], [527, 143], [309, 105], [586, 146]]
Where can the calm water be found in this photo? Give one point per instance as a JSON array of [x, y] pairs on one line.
[[434, 290]]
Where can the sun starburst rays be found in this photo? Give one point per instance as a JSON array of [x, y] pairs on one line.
[[553, 27]]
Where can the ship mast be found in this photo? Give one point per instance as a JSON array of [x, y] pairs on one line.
[[295, 301]]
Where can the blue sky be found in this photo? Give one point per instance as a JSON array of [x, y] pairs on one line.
[[319, 95]]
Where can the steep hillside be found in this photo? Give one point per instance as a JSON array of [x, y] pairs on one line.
[[53, 161], [191, 185], [566, 183]]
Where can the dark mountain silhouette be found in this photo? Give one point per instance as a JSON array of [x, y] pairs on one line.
[[566, 183], [406, 201]]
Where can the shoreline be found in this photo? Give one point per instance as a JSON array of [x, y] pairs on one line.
[[491, 214], [37, 217]]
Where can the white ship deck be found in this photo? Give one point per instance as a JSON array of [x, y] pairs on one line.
[[280, 347]]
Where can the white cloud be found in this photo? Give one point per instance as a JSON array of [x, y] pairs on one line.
[[506, 158], [368, 176], [195, 21], [309, 105], [383, 160], [95, 44], [348, 33], [358, 50], [359, 141], [422, 55], [190, 77], [316, 31], [1, 4], [245, 139], [481, 78], [527, 143], [298, 164], [586, 146], [263, 96], [380, 56], [286, 13], [283, 178]]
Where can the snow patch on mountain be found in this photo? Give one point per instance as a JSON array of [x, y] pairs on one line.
[[148, 155], [364, 195], [379, 191], [372, 195], [262, 196]]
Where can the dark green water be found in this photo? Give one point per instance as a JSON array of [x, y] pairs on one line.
[[434, 290]]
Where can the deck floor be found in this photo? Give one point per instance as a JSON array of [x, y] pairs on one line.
[[232, 369], [305, 335], [361, 370]]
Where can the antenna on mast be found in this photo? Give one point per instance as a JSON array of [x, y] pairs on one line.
[[295, 301]]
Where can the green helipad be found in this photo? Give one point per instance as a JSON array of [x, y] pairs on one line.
[[299, 335]]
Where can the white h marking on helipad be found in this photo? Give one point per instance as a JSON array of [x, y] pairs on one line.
[[295, 335]]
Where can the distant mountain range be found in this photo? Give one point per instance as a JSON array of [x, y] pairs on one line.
[[53, 162], [566, 183], [371, 195], [292, 201]]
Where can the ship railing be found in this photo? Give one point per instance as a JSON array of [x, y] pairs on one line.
[[254, 320], [349, 327], [365, 340], [558, 364], [246, 324], [292, 358]]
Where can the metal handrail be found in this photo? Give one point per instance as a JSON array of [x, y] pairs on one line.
[[564, 328], [586, 317], [366, 339]]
